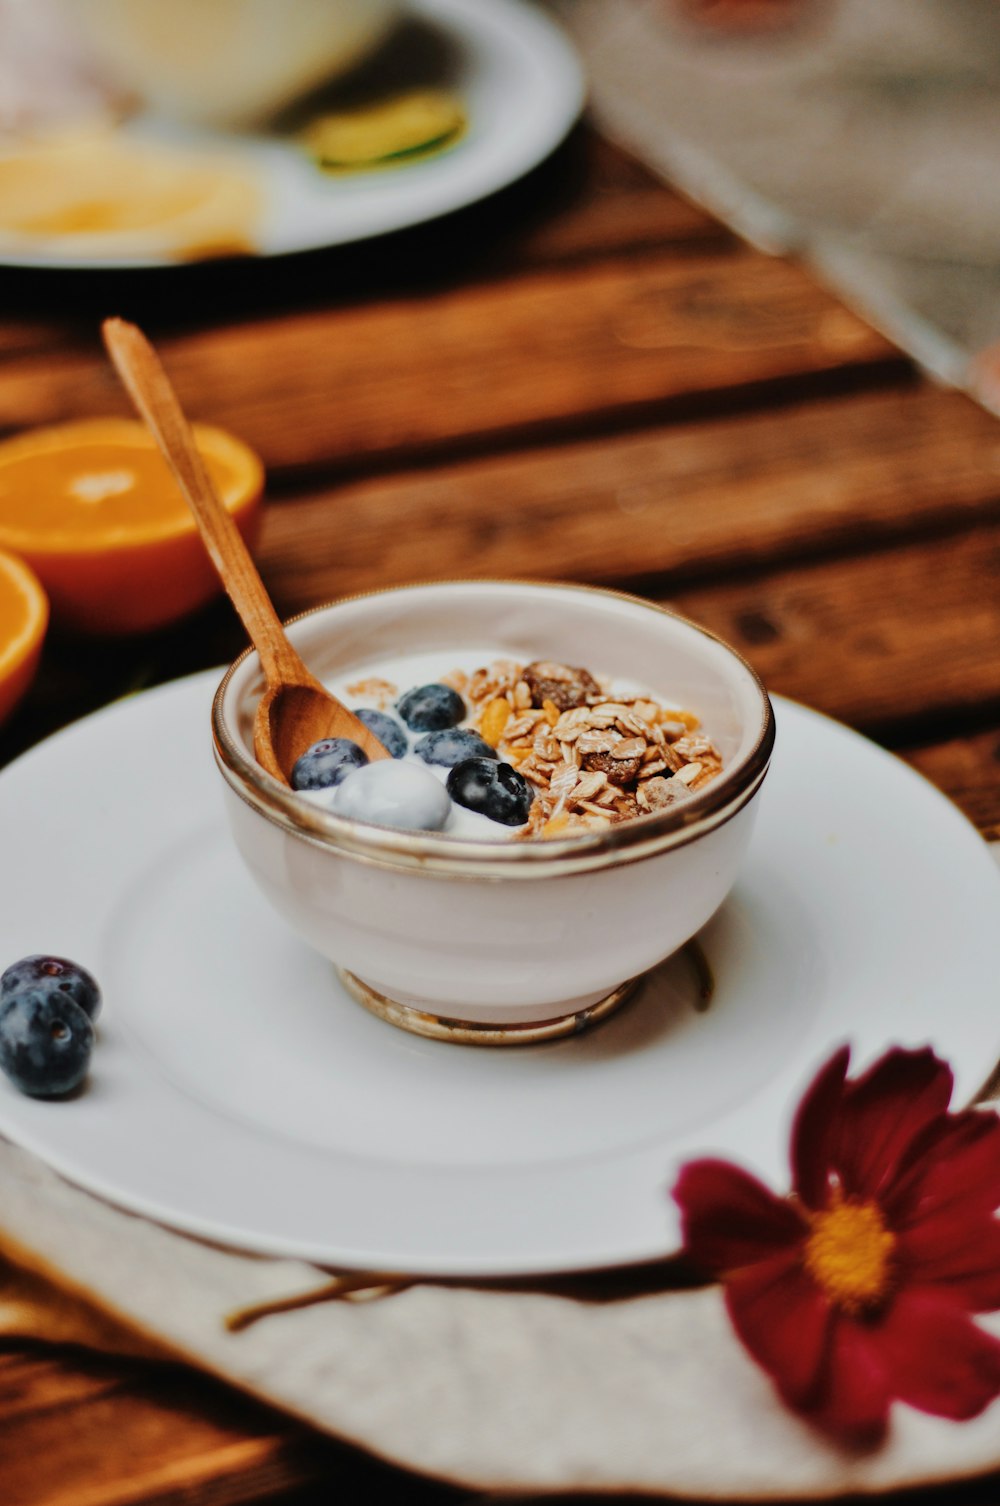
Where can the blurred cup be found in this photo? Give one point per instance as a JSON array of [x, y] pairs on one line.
[[226, 62]]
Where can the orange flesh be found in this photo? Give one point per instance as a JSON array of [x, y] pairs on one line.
[[93, 494], [94, 509]]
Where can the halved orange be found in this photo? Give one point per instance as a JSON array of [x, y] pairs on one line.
[[24, 616], [93, 508]]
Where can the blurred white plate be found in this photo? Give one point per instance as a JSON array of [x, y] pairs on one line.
[[522, 86], [237, 1093]]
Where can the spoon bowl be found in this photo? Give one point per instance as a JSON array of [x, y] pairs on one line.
[[295, 710], [291, 716]]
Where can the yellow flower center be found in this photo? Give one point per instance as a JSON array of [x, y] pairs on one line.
[[848, 1254]]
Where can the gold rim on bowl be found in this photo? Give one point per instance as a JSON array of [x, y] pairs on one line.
[[434, 854]]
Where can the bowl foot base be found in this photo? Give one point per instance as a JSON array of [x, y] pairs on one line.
[[441, 1027]]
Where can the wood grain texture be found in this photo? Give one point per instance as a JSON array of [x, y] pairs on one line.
[[889, 641], [630, 221], [967, 769], [677, 501], [22, 336], [78, 1429], [589, 200], [474, 366], [134, 1434]]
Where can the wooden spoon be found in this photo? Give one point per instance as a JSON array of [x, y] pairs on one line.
[[295, 710]]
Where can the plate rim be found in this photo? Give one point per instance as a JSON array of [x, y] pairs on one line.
[[541, 27]]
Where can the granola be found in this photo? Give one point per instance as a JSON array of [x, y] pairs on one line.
[[594, 758]]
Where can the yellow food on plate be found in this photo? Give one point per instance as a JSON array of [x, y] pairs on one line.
[[95, 511], [24, 616], [390, 130], [103, 195]]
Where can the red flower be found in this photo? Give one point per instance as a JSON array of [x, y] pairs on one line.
[[857, 1289]]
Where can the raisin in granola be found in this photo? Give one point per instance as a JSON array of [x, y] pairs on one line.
[[563, 686], [620, 771]]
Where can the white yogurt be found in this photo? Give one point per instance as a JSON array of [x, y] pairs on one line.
[[395, 792]]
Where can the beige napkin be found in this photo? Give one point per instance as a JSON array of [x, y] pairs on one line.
[[491, 1388]]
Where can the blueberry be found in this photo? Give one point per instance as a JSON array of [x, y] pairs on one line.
[[429, 708], [45, 1042], [53, 975], [493, 789], [386, 728], [452, 745], [326, 763]]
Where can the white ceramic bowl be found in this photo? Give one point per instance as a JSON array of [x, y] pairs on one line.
[[226, 62], [502, 934]]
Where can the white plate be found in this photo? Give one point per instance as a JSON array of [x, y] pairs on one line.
[[239, 1094], [523, 89]]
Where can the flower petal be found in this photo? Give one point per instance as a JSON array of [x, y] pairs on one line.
[[854, 1394], [729, 1219], [821, 1363], [951, 1166], [883, 1110], [782, 1318], [961, 1255], [813, 1147], [935, 1357]]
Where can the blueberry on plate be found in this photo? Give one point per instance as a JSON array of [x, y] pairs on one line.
[[493, 789], [45, 1042], [326, 763], [429, 708], [386, 728], [53, 975], [453, 744]]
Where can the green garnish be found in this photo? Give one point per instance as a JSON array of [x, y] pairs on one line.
[[400, 129]]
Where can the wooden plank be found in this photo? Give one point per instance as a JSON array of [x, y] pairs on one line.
[[589, 199], [89, 1430], [19, 336], [892, 641], [559, 350], [641, 219], [31, 1384], [681, 501], [967, 769], [99, 1433]]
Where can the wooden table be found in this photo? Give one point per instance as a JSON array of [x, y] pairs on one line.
[[584, 378]]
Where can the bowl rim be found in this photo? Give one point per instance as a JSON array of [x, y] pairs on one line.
[[434, 854]]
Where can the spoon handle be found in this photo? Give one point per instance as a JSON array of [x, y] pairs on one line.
[[150, 389]]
